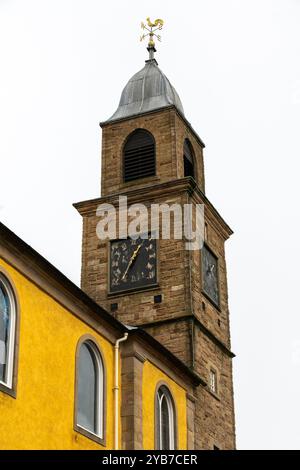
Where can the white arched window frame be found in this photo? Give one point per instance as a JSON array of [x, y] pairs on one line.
[[7, 345], [97, 405], [164, 398]]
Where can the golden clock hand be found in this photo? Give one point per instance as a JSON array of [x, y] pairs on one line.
[[130, 262], [134, 255]]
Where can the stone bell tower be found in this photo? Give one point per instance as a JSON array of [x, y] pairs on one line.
[[151, 154]]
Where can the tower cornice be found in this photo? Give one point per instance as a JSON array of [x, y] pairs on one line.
[[136, 195]]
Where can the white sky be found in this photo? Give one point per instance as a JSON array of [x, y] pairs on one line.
[[235, 65]]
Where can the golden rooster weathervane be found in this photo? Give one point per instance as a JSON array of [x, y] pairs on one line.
[[152, 28]]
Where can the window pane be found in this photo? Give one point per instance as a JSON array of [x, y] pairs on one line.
[[165, 420], [4, 331], [165, 425], [87, 390]]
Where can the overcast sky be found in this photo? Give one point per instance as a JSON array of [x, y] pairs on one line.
[[235, 65]]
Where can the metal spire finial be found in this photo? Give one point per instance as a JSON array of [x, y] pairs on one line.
[[151, 28]]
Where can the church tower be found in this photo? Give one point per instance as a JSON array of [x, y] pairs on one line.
[[152, 155]]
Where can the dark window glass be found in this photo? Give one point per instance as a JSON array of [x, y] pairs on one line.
[[5, 316], [188, 159], [88, 400], [165, 425], [139, 156]]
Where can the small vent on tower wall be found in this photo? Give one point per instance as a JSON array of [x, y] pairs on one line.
[[139, 156]]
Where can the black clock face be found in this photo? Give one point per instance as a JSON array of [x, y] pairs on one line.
[[133, 264], [210, 275]]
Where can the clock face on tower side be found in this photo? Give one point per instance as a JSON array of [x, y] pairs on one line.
[[133, 264], [210, 282]]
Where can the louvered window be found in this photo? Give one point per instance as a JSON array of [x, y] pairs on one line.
[[188, 159], [139, 156]]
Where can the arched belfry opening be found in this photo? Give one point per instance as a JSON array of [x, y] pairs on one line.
[[139, 156], [188, 159]]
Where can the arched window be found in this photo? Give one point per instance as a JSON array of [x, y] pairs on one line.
[[90, 392], [165, 419], [139, 155], [188, 159], [7, 332]]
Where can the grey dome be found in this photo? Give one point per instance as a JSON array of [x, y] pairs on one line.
[[147, 90]]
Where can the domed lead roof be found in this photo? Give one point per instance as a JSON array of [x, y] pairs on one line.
[[147, 90]]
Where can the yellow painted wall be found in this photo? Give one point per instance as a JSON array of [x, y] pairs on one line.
[[41, 417], [151, 377]]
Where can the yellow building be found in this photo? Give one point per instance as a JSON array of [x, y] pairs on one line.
[[72, 376]]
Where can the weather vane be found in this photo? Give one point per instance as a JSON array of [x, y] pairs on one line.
[[152, 28]]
